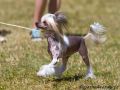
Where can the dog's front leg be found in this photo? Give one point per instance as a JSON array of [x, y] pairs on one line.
[[49, 69], [54, 61]]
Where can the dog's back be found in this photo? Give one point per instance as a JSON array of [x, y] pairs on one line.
[[74, 44]]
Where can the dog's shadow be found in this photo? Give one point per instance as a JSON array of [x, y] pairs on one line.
[[70, 78], [81, 76], [4, 32]]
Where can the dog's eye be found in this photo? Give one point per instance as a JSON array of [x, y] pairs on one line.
[[45, 23]]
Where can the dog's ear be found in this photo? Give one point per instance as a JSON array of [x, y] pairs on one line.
[[61, 18]]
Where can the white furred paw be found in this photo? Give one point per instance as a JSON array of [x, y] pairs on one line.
[[46, 70]]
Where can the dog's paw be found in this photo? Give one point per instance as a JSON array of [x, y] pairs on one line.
[[41, 72], [92, 76], [46, 70]]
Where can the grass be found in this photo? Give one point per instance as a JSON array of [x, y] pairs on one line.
[[20, 58]]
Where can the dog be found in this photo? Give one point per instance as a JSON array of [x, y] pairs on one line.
[[63, 46]]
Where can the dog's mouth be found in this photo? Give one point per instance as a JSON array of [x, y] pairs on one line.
[[44, 29], [41, 25]]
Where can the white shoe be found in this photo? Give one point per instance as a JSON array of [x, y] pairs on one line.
[[36, 39], [2, 39], [36, 35]]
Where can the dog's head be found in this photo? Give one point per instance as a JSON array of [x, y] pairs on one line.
[[53, 22]]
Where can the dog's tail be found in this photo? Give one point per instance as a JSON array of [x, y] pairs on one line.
[[97, 33]]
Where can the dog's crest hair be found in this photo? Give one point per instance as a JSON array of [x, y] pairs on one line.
[[50, 19], [61, 19], [57, 22]]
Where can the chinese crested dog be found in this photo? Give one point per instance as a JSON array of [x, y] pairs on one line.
[[63, 46]]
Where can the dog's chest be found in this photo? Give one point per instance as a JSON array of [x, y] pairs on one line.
[[56, 47]]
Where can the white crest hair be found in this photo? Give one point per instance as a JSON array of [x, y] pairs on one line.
[[46, 17], [49, 18]]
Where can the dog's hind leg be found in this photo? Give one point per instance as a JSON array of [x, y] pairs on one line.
[[84, 53]]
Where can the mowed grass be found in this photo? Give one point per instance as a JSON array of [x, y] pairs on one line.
[[20, 58]]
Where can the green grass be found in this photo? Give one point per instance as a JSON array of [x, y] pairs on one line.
[[20, 58]]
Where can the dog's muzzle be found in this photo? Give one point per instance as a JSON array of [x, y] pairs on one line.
[[40, 25]]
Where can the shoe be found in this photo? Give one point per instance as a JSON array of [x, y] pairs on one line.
[[35, 33], [36, 39]]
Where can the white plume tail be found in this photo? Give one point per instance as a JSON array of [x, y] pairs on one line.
[[97, 33]]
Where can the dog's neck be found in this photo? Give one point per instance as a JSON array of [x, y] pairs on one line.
[[55, 37]]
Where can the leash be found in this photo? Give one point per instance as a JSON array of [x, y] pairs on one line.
[[18, 26]]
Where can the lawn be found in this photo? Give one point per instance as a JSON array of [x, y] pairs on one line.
[[21, 58]]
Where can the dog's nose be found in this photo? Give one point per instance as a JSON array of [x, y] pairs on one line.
[[40, 25], [36, 24]]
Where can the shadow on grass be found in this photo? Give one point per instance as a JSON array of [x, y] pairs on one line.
[[81, 76], [4, 32], [104, 74], [70, 78]]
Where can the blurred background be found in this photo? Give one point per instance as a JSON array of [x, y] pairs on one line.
[[20, 58]]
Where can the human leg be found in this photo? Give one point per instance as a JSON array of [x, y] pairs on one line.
[[39, 10], [54, 5]]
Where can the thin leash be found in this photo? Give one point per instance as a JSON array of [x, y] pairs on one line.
[[18, 26]]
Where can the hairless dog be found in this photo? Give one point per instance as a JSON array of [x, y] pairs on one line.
[[63, 46]]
